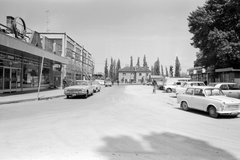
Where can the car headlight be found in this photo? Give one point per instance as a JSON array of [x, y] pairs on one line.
[[222, 106], [65, 90]]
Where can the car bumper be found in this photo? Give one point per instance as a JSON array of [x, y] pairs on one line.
[[228, 112], [75, 93]]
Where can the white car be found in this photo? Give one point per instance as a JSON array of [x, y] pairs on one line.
[[171, 87], [229, 89], [209, 99], [97, 86], [79, 88], [185, 85]]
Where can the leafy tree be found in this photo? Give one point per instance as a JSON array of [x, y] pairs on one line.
[[145, 62], [156, 67], [166, 72], [118, 67], [162, 73], [152, 70], [138, 62], [216, 32], [131, 61], [111, 70], [106, 69], [177, 67], [171, 71]]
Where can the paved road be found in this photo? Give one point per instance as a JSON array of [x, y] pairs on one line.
[[118, 123]]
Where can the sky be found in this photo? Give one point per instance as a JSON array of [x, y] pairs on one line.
[[115, 29]]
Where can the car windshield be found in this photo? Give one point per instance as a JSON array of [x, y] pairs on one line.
[[213, 92], [82, 83]]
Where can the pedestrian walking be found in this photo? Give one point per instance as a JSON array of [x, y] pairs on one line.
[[154, 84]]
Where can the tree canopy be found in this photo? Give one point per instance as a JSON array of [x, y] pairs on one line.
[[177, 67], [216, 32], [106, 69]]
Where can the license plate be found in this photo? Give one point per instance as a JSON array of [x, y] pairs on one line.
[[74, 94]]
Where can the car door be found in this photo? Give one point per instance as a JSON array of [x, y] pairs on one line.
[[198, 98], [188, 96], [232, 91]]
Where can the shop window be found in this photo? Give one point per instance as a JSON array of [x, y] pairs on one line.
[[45, 76], [30, 76]]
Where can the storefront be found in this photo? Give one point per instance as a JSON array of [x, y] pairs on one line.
[[20, 66]]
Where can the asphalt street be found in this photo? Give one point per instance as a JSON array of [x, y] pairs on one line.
[[126, 122]]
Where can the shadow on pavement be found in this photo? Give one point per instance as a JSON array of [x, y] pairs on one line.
[[162, 146], [202, 113]]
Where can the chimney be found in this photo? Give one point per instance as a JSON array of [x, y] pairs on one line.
[[10, 20]]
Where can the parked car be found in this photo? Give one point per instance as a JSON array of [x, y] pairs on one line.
[[171, 87], [97, 86], [79, 88], [229, 89], [209, 99], [100, 81], [108, 83], [185, 85]]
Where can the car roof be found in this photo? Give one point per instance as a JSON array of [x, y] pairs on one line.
[[203, 87], [223, 83], [82, 80]]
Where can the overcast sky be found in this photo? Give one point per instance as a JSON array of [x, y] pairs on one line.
[[115, 28]]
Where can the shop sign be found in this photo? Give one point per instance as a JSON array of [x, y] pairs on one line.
[[30, 61]]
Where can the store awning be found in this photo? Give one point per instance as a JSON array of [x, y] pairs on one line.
[[30, 49]]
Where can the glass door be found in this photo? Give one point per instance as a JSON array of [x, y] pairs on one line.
[[13, 80], [7, 78], [1, 79]]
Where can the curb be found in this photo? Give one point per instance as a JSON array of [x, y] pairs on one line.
[[32, 99]]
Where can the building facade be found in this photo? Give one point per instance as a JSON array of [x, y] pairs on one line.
[[134, 74], [215, 75], [31, 61], [81, 63]]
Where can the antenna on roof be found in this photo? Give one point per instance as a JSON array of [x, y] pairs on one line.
[[47, 20]]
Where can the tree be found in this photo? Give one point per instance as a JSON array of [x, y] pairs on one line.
[[118, 67], [111, 70], [216, 32], [152, 70], [131, 61], [166, 72], [138, 62], [145, 62], [156, 67], [171, 71], [177, 67], [162, 73], [106, 69]]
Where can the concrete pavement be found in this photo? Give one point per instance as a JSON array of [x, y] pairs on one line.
[[31, 96]]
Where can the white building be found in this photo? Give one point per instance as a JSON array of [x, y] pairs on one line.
[[134, 74]]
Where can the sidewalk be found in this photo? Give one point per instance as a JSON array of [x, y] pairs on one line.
[[30, 96]]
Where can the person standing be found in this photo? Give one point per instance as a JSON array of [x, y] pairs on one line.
[[154, 84]]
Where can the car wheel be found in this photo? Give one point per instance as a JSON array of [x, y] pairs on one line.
[[68, 97], [169, 90], [212, 112], [184, 106], [86, 95]]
